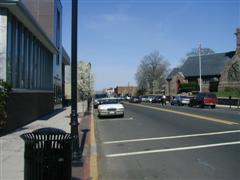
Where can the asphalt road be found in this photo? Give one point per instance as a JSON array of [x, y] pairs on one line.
[[155, 142]]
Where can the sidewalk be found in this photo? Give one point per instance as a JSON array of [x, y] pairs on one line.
[[227, 106], [12, 146]]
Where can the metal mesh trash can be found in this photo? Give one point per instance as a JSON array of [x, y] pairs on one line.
[[47, 155]]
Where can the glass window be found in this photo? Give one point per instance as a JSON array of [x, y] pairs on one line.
[[20, 55], [26, 42], [58, 29], [29, 63]]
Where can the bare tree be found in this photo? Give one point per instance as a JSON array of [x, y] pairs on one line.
[[195, 52], [152, 72]]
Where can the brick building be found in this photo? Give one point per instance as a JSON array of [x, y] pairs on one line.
[[126, 90]]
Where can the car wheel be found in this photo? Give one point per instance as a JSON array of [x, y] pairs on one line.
[[202, 105], [213, 106], [122, 116]]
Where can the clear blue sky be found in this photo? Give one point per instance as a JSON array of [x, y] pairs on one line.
[[114, 35]]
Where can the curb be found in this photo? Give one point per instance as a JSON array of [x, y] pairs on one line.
[[227, 106], [93, 151], [90, 167]]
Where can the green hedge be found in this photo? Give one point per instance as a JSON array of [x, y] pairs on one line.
[[5, 88], [229, 92], [188, 87]]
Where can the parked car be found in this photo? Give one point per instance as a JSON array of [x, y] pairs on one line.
[[135, 99], [149, 99], [144, 98], [204, 99], [180, 100], [127, 98], [110, 107], [157, 99], [96, 102], [98, 97]]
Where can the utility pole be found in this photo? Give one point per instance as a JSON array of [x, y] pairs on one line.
[[74, 115], [200, 68]]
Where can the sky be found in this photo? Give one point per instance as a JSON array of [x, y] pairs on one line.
[[115, 35]]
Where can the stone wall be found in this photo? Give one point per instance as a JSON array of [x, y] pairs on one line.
[[205, 87], [172, 86], [25, 107], [124, 90], [225, 82]]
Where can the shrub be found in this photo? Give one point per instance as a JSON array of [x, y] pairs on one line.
[[229, 92], [5, 88], [188, 87]]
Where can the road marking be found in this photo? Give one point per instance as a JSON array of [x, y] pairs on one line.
[[122, 119], [172, 149], [171, 137], [229, 122]]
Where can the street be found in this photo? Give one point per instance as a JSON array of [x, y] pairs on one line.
[[155, 142]]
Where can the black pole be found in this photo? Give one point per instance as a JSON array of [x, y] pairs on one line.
[[169, 90], [74, 115]]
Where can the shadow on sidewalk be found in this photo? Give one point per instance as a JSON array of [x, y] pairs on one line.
[[75, 178], [54, 113]]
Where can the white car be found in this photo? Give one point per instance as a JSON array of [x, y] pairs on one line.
[[110, 107]]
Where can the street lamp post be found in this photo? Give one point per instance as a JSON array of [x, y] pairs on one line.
[[74, 115], [200, 69]]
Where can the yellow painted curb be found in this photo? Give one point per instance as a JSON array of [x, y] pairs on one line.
[[229, 122], [93, 155]]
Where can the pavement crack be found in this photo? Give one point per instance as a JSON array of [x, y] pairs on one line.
[[139, 164], [205, 164]]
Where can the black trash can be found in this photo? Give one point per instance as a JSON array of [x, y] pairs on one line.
[[47, 155]]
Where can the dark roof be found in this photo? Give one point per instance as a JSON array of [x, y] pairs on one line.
[[212, 65], [173, 73]]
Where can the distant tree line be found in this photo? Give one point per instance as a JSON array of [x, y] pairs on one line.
[[154, 68]]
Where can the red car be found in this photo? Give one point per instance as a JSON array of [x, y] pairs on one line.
[[204, 99]]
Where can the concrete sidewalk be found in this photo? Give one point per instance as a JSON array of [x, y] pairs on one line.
[[12, 146], [227, 106]]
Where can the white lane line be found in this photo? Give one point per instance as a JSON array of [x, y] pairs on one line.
[[171, 137], [122, 119], [172, 149]]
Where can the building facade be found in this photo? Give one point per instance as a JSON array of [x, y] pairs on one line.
[[220, 71], [28, 62], [126, 90], [110, 91], [48, 13]]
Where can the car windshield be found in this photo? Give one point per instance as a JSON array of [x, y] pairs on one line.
[[109, 101], [210, 96], [184, 97], [98, 96]]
